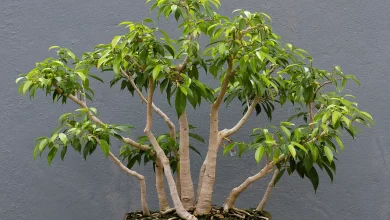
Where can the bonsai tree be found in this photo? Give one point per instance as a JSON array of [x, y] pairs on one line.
[[249, 65]]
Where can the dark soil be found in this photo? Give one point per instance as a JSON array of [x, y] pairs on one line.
[[217, 213]]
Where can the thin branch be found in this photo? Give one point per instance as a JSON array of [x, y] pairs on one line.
[[244, 119], [169, 123], [267, 194], [231, 199], [183, 65], [141, 178], [149, 116], [249, 29], [98, 121], [84, 93], [311, 115], [224, 86], [322, 85]]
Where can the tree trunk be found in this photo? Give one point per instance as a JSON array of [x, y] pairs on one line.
[[163, 158], [231, 199], [171, 181], [178, 184], [162, 197], [271, 184], [206, 192], [187, 187], [200, 179]]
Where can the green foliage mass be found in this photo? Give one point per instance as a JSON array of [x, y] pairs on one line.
[[263, 70]]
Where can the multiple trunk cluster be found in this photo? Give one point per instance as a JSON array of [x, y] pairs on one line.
[[182, 190]]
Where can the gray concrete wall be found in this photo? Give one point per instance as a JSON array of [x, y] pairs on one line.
[[352, 34]]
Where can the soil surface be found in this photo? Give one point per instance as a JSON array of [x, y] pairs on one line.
[[217, 213]]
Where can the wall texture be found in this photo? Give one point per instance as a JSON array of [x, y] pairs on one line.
[[352, 34]]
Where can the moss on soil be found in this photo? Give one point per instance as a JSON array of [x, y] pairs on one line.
[[217, 213]]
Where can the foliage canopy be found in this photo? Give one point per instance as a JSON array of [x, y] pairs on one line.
[[250, 64]]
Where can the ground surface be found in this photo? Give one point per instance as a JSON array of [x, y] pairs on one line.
[[217, 213]]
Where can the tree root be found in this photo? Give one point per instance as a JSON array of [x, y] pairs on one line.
[[242, 211], [168, 211], [237, 215], [215, 213]]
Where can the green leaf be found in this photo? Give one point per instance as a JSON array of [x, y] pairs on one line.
[[252, 62], [265, 15], [18, 79], [115, 41], [286, 131], [292, 150], [248, 14], [105, 147], [229, 147], [241, 149], [299, 146], [195, 150], [314, 179], [222, 49], [42, 145], [242, 24], [71, 54], [308, 163], [335, 118], [156, 71], [63, 152], [36, 148], [63, 117], [267, 56], [259, 153], [125, 23], [329, 171], [147, 20], [101, 61], [258, 54], [184, 90], [313, 150], [81, 75], [63, 138], [180, 102], [328, 153], [26, 86], [367, 115], [53, 137], [76, 145], [88, 146], [280, 174], [298, 134], [197, 137], [51, 154], [96, 77], [54, 47], [173, 7], [339, 142]]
